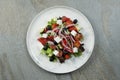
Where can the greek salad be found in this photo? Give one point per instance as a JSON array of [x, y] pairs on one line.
[[61, 39]]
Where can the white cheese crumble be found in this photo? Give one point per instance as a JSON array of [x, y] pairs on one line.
[[44, 35], [57, 39], [75, 49], [59, 22], [55, 52], [73, 32]]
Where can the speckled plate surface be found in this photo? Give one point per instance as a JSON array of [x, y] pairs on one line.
[[34, 46]]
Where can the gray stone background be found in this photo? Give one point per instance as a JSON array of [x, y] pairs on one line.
[[15, 62]]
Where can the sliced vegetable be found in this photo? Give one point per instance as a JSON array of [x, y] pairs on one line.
[[77, 54], [60, 54], [43, 51], [49, 52], [67, 56], [72, 28], [64, 41], [78, 36], [45, 30], [55, 25], [43, 40], [50, 38], [64, 19], [68, 22], [76, 44], [60, 46], [53, 47]]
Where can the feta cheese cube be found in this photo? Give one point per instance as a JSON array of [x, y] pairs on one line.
[[59, 22], [73, 32], [75, 49], [57, 39], [55, 52], [44, 35]]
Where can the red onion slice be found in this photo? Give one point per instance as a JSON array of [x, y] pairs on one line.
[[50, 42], [49, 31], [65, 45], [72, 39], [69, 25], [55, 29], [69, 50]]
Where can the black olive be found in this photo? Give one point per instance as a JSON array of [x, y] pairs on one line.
[[41, 32], [59, 18], [61, 59], [49, 27], [52, 58], [82, 48], [75, 21], [45, 47], [55, 42], [65, 29], [82, 44]]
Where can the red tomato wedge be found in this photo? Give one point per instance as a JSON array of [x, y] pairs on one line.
[[42, 40], [64, 45], [65, 42], [67, 56], [76, 44], [72, 28], [52, 46], [68, 22], [60, 54], [79, 36], [45, 30], [50, 38], [69, 50], [64, 19], [54, 25]]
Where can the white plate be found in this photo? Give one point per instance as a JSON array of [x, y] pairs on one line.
[[34, 46]]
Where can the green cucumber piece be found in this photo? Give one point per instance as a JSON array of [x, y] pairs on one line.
[[77, 54], [59, 46], [43, 51], [49, 52], [52, 21]]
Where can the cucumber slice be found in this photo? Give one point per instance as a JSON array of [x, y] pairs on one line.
[[41, 31], [59, 46], [43, 51], [49, 52], [52, 21]]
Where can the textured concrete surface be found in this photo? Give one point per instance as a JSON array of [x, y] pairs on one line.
[[15, 62]]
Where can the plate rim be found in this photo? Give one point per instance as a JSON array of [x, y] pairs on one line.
[[49, 8]]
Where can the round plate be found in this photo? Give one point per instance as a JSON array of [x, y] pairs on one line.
[[34, 46]]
